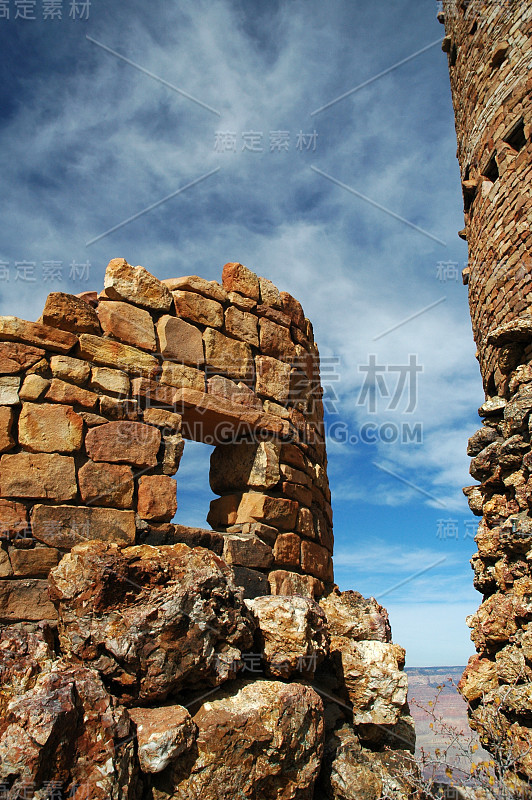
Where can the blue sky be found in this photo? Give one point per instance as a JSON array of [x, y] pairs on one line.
[[88, 141]]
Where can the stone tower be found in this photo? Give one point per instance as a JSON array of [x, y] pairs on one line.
[[489, 48]]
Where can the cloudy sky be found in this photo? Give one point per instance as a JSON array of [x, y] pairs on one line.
[[314, 143]]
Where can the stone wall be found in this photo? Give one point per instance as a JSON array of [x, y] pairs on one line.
[[97, 397], [489, 46]]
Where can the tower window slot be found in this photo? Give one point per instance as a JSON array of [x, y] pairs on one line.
[[492, 170], [516, 136]]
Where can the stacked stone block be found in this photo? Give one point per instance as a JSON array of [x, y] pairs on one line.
[[97, 397], [489, 46]]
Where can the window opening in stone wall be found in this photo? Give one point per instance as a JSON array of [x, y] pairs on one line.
[[516, 136], [193, 492], [453, 55], [491, 171]]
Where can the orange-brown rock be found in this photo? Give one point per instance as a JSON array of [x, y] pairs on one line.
[[66, 526], [157, 499], [128, 324], [128, 614], [7, 440], [9, 390], [41, 476], [269, 293], [305, 523], [237, 466], [13, 520], [287, 550], [108, 353], [70, 313], [479, 678], [34, 388], [238, 278], [275, 511], [183, 377], [115, 408], [49, 428], [193, 283], [136, 285], [275, 341], [198, 309], [36, 562], [70, 369], [234, 392], [15, 357], [26, 650], [355, 617], [102, 484], [228, 356], [316, 561], [293, 309], [162, 419], [124, 442], [163, 734], [110, 381], [13, 329], [180, 341], [67, 394], [242, 325], [25, 599], [273, 378], [247, 550]]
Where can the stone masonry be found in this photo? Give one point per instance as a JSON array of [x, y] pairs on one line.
[[489, 47]]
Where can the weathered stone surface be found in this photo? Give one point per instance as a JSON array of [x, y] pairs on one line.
[[26, 650], [6, 570], [293, 308], [49, 428], [173, 445], [104, 484], [238, 278], [9, 388], [151, 620], [162, 419], [269, 293], [180, 341], [234, 392], [14, 329], [236, 466], [69, 395], [38, 475], [70, 313], [275, 341], [69, 731], [124, 442], [516, 330], [108, 353], [35, 563], [136, 285], [479, 678], [290, 583], [292, 635], [66, 526], [273, 378], [163, 734], [70, 369], [247, 551], [275, 511], [157, 498], [495, 620], [198, 309], [241, 302], [25, 599], [15, 357], [252, 582], [115, 408], [315, 560], [242, 325], [110, 381], [287, 550], [13, 519], [6, 425], [226, 355], [347, 774], [128, 324], [34, 388], [373, 676], [355, 617], [261, 739], [192, 283], [181, 376]]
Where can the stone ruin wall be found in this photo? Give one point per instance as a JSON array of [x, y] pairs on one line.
[[489, 46], [97, 398]]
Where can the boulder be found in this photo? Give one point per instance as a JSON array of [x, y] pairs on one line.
[[351, 615], [136, 285], [163, 734]]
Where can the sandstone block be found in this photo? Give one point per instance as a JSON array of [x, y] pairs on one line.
[[173, 450], [181, 376], [25, 600], [292, 454], [316, 561], [7, 440], [14, 329], [290, 583], [9, 388], [302, 494], [136, 285], [6, 570], [124, 442], [237, 466], [36, 562], [252, 582], [162, 419], [234, 392], [223, 511], [128, 324], [38, 475], [247, 551], [274, 315], [154, 393], [66, 526], [180, 341], [157, 498], [91, 420], [192, 283], [275, 341], [293, 308], [193, 537], [70, 369], [70, 313], [106, 484], [226, 355], [34, 388], [115, 408], [269, 293], [198, 309], [108, 353], [242, 325], [49, 428], [305, 523], [287, 550], [238, 278], [163, 734], [69, 394], [110, 381], [241, 302], [15, 357], [355, 617], [272, 378], [275, 511], [13, 519]]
